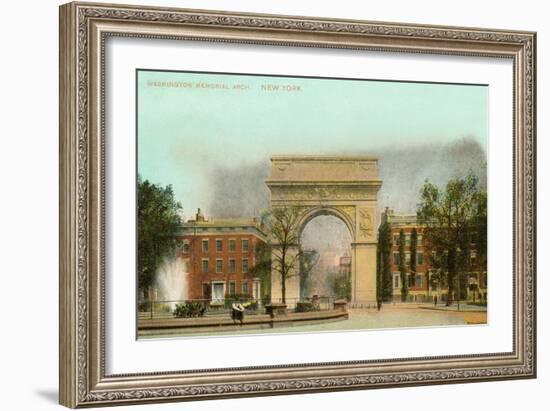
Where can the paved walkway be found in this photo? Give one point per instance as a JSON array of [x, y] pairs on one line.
[[390, 316], [455, 307]]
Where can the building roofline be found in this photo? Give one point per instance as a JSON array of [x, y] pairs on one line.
[[339, 183], [322, 158], [208, 227]]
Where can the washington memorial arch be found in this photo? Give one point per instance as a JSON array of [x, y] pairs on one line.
[[342, 186]]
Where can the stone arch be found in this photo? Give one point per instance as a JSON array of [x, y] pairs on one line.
[[346, 187]]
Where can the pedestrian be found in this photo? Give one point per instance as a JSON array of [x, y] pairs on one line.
[[237, 312], [378, 304], [435, 301]]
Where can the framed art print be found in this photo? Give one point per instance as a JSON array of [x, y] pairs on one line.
[[260, 204]]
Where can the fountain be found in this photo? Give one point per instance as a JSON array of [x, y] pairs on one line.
[[171, 279]]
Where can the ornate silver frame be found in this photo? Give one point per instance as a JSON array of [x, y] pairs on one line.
[[83, 30]]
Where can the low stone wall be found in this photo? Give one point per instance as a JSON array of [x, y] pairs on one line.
[[276, 310], [260, 320]]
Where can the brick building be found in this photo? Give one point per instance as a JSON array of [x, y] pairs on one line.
[[420, 289], [219, 255]]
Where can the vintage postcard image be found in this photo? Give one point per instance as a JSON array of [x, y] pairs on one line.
[[279, 204]]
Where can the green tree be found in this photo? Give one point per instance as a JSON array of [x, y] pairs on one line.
[[464, 265], [412, 263], [383, 267], [450, 217], [341, 285], [436, 280], [158, 221], [262, 268], [480, 237], [480, 223], [285, 244], [480, 240], [402, 269]]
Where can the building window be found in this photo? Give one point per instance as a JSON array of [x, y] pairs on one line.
[[419, 280], [232, 245], [407, 258], [245, 265], [396, 281], [219, 245], [410, 279], [419, 258], [396, 258], [231, 287], [232, 265], [219, 265], [396, 240], [245, 287], [204, 246], [205, 265], [186, 246], [419, 240], [245, 246]]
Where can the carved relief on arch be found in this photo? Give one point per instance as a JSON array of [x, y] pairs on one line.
[[366, 222], [321, 192]]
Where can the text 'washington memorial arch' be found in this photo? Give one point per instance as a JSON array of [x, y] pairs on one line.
[[345, 187]]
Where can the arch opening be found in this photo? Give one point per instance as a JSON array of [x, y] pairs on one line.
[[325, 265]]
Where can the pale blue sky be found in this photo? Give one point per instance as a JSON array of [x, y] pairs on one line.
[[186, 132]]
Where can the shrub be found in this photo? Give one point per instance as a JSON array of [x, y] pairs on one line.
[[341, 287], [189, 309], [162, 308], [307, 306], [144, 306], [251, 305]]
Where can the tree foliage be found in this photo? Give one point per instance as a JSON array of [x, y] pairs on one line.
[[157, 224], [453, 220], [383, 266], [480, 224], [341, 285], [412, 263], [262, 267]]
